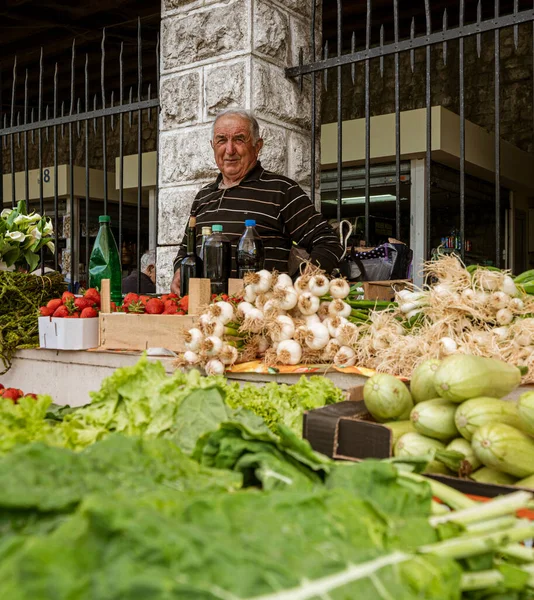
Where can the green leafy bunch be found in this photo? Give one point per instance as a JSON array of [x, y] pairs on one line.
[[22, 236]]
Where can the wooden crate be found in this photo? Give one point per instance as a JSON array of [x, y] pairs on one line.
[[384, 290], [122, 331]]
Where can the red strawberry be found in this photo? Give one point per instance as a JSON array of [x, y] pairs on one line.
[[169, 296], [2, 387], [170, 308], [224, 297], [184, 303], [135, 307], [164, 298], [66, 296], [88, 313], [154, 306], [34, 396], [113, 307], [181, 313], [73, 316], [12, 394], [61, 312], [92, 294], [144, 299], [55, 303], [46, 311], [129, 298], [81, 303]]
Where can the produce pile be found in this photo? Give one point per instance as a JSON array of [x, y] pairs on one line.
[[314, 320], [453, 413], [470, 310], [21, 295], [230, 511], [14, 394], [70, 306], [167, 304]]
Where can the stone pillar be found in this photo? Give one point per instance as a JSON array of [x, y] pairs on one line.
[[215, 55]]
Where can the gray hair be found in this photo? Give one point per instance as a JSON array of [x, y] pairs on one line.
[[148, 259], [248, 115]]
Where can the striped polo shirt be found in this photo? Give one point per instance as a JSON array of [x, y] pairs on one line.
[[283, 213]]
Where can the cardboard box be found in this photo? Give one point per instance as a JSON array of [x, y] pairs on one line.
[[345, 431], [123, 331], [384, 290], [68, 334]]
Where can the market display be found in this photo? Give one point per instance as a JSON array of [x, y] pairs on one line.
[[462, 428], [160, 489]]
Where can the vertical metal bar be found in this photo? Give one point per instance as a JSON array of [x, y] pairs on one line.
[[313, 104], [71, 173], [121, 146], [428, 100], [339, 115], [445, 26], [157, 137], [382, 49], [412, 37], [104, 137], [352, 51], [462, 133], [397, 123], [498, 253], [56, 207], [2, 141], [325, 73], [516, 27], [479, 36], [12, 137], [87, 171], [26, 173], [139, 150], [367, 124], [40, 142]]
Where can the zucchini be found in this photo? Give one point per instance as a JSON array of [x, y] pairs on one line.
[[525, 277], [435, 418], [398, 429], [422, 383], [525, 410], [416, 445], [528, 482], [487, 475], [464, 447], [473, 413], [387, 398], [461, 377], [504, 448]]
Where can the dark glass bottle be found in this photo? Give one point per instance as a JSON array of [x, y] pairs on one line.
[[250, 254], [217, 264], [105, 262], [191, 265]]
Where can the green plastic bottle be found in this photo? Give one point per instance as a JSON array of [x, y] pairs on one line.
[[105, 262]]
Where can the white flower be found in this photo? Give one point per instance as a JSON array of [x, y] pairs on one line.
[[16, 236], [50, 246], [27, 219], [35, 233], [5, 213], [48, 229]]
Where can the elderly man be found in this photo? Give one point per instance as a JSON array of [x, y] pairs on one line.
[[245, 190], [148, 276]]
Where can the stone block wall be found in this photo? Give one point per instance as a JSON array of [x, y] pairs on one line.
[[216, 55]]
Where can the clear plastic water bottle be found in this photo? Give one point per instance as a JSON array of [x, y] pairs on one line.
[[250, 254], [105, 262], [217, 263]]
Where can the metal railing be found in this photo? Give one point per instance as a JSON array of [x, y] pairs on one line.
[[79, 116], [348, 56]]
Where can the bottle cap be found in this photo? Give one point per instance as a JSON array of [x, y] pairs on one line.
[[217, 228], [250, 223], [206, 230], [104, 219]]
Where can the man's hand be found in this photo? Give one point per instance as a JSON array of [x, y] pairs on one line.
[[175, 285]]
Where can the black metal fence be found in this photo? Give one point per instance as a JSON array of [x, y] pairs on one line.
[[82, 123], [402, 43]]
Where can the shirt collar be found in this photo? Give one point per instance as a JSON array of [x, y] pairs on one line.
[[253, 175]]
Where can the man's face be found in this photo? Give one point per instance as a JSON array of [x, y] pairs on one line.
[[233, 147]]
